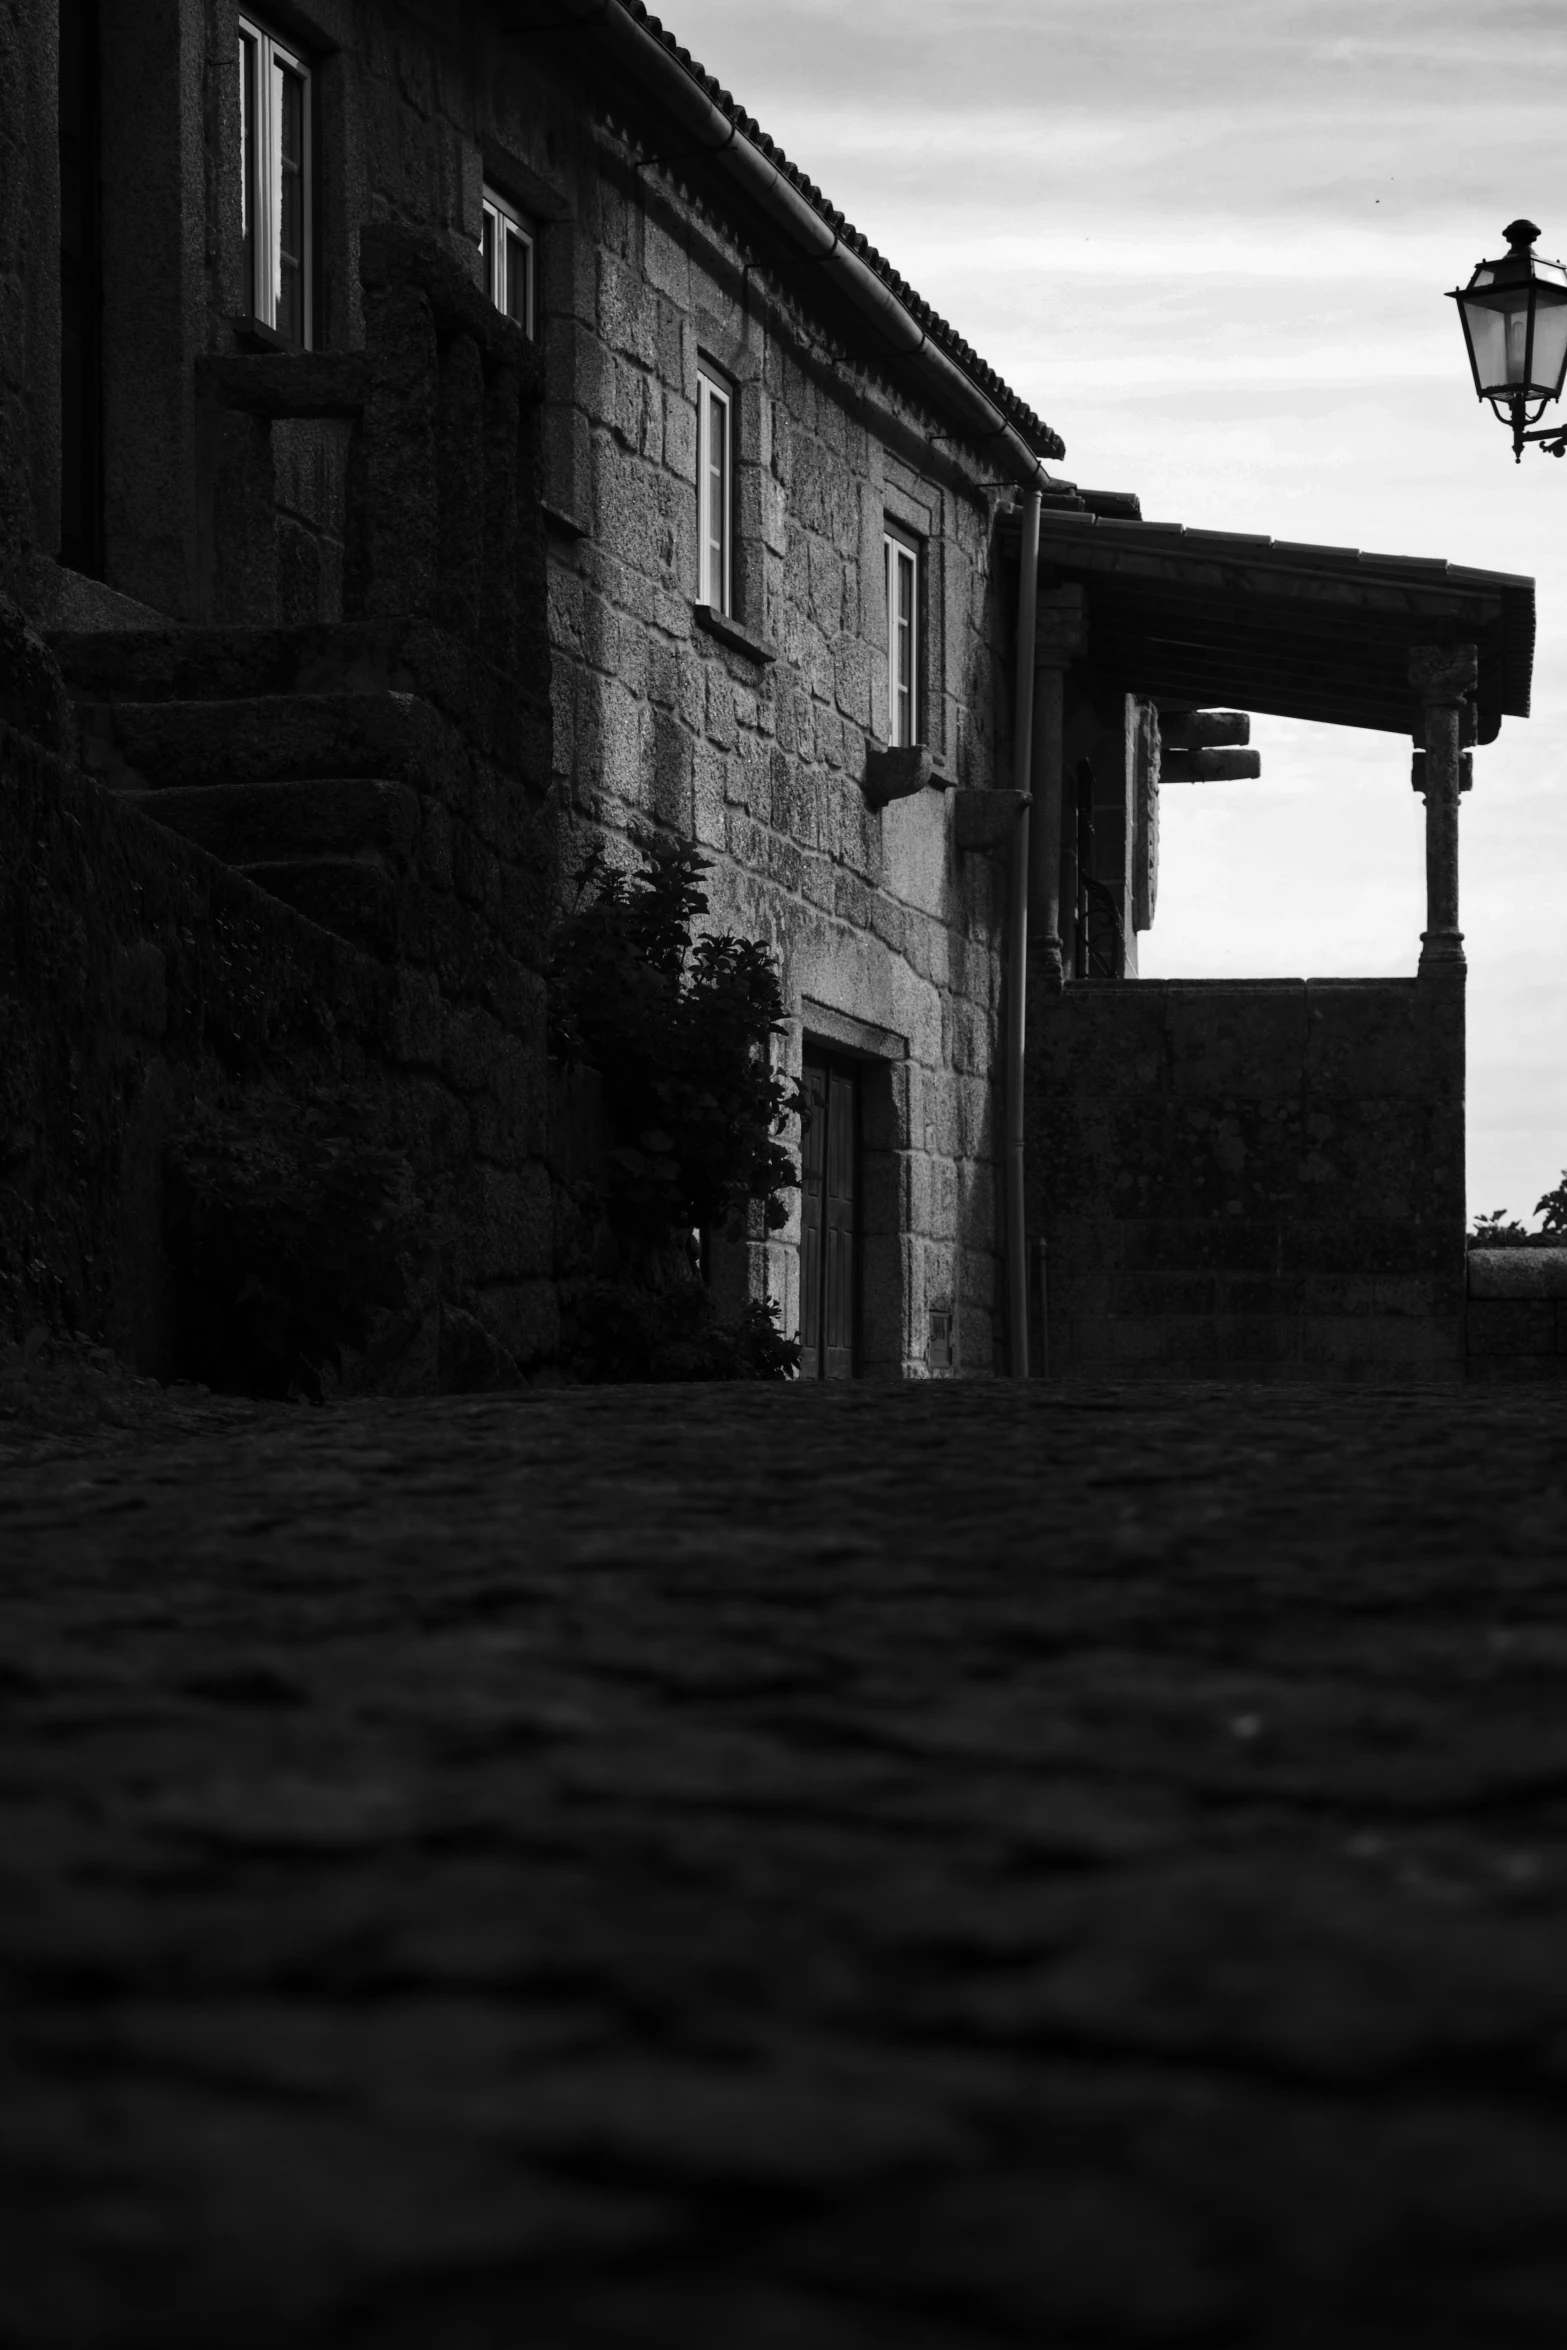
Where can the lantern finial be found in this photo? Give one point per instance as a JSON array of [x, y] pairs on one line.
[[1520, 234]]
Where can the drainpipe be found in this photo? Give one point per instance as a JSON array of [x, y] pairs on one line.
[[1017, 939]]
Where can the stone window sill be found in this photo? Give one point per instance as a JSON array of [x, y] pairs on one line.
[[730, 631]]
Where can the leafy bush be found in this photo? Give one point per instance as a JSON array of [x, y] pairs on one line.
[[289, 1225], [680, 1031], [1552, 1209], [616, 1331], [1498, 1229]]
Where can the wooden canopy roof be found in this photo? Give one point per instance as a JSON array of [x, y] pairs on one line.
[[1193, 618]]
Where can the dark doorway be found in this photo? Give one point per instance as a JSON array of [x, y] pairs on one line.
[[81, 293], [829, 1218]]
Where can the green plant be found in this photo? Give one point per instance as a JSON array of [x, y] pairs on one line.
[[615, 1330], [1497, 1226], [679, 1030], [1552, 1209]]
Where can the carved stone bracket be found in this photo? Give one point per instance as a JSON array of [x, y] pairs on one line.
[[1443, 673], [898, 773]]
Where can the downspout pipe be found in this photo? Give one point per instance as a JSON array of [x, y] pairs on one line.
[[711, 133], [1017, 941]]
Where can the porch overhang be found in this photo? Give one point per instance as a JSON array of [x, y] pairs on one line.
[[1197, 618]]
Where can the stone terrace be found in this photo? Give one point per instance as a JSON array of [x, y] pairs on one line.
[[926, 1867]]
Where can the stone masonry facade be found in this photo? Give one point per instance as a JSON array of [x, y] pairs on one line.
[[761, 741], [402, 613], [761, 734]]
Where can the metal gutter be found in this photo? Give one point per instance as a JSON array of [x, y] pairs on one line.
[[714, 134], [1312, 594], [1017, 942]]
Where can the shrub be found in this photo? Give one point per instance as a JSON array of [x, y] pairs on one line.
[[617, 1331], [680, 1030], [1497, 1229], [1552, 1209]]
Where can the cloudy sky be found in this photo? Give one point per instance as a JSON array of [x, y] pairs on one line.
[[1208, 240]]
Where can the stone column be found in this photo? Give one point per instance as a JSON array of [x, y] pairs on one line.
[[1060, 635], [1443, 676]]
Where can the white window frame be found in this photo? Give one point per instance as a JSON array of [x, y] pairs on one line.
[[261, 130], [504, 228], [715, 472], [902, 559]]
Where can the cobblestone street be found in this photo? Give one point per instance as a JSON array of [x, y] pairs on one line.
[[769, 1869]]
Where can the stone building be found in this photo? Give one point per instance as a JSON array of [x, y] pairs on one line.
[[434, 440]]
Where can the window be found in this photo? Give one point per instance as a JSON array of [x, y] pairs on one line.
[[275, 189], [508, 260], [903, 640], [714, 467]]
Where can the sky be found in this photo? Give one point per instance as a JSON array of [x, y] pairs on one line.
[[1208, 241]]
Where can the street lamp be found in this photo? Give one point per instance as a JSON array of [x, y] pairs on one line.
[[1514, 314]]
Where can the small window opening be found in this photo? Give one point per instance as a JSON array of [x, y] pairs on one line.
[[509, 256], [276, 193], [714, 492], [903, 588]]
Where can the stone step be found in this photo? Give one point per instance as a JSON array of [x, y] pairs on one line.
[[353, 897], [163, 746], [178, 664], [505, 716], [331, 815]]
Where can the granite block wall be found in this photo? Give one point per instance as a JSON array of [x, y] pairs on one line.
[[137, 973], [753, 739], [1257, 1178], [750, 739], [1515, 1327]]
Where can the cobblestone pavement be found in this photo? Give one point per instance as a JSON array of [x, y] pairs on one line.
[[763, 1869]]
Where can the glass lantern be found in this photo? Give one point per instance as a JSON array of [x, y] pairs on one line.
[[1514, 314]]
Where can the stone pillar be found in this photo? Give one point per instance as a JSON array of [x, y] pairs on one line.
[[1060, 635], [1443, 676]]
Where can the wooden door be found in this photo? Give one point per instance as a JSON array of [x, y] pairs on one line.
[[829, 1218]]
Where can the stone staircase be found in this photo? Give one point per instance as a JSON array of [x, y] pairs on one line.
[[315, 760], [379, 772]]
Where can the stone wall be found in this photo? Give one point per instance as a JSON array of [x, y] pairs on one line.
[[758, 740], [138, 975], [1263, 1178], [29, 291], [1515, 1329]]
